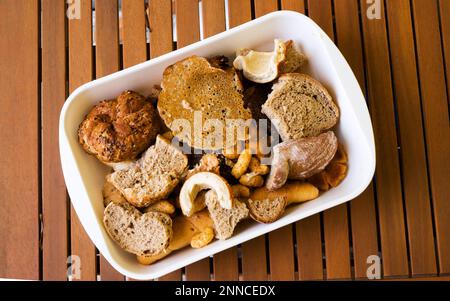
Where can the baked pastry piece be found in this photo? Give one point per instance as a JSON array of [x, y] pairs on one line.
[[300, 106], [153, 176], [301, 158], [137, 233], [194, 91], [119, 129]]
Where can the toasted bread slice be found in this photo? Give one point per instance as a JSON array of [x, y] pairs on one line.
[[153, 177], [192, 89], [137, 233], [267, 210], [299, 106]]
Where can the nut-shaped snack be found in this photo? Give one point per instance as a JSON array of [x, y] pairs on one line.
[[251, 179], [208, 162], [201, 181], [242, 164], [119, 129], [240, 190], [301, 158], [203, 238], [163, 206], [258, 168]]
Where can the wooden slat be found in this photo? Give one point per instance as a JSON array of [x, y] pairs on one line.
[[436, 120], [134, 40], [364, 231], [188, 32], [263, 7], [362, 209], [54, 196], [226, 262], [390, 207], [281, 250], [80, 72], [295, 5], [337, 246], [160, 20], [444, 7], [106, 62], [188, 23], [198, 271], [415, 182], [173, 276], [226, 265], [281, 245], [19, 184], [309, 248], [337, 251], [213, 17], [254, 266], [239, 11]]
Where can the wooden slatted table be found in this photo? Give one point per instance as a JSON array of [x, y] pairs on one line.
[[401, 60]]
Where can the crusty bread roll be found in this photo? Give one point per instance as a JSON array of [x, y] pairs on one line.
[[119, 129]]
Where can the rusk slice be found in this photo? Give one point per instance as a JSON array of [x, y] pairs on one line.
[[194, 89], [299, 106]]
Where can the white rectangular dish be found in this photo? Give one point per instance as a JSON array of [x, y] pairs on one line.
[[84, 174]]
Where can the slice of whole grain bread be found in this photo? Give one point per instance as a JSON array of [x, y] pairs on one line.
[[137, 233], [225, 220], [300, 106], [153, 177], [266, 210]]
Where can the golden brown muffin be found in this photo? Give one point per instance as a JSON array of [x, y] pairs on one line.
[[119, 129]]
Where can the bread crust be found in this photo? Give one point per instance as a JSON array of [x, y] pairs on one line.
[[119, 129]]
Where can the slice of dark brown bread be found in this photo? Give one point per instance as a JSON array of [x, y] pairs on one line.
[[266, 210], [153, 177], [193, 87], [137, 233], [225, 220], [299, 106]]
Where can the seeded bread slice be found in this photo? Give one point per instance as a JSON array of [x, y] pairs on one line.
[[153, 177], [194, 90], [266, 210], [140, 234], [225, 220], [299, 106]]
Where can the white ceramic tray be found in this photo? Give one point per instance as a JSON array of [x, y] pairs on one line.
[[84, 175]]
